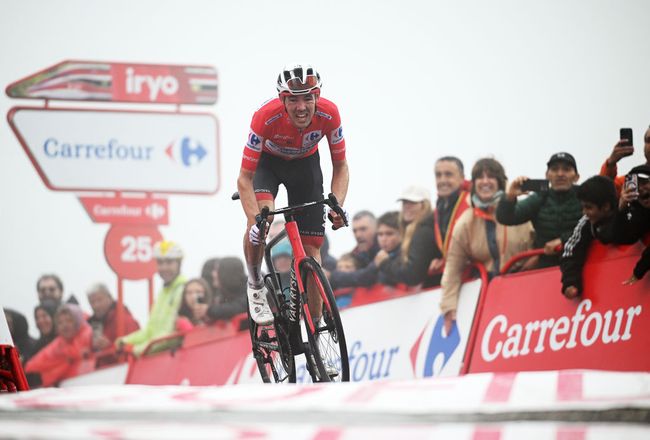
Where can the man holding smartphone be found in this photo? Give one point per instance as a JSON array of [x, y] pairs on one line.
[[623, 148], [553, 212], [633, 218]]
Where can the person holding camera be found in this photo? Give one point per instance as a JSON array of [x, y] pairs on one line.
[[623, 148], [193, 312], [633, 219], [552, 206]]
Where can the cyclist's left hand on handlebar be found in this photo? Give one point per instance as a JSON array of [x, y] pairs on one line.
[[337, 220], [254, 235]]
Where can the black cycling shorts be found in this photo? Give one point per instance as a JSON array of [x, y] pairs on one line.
[[303, 179]]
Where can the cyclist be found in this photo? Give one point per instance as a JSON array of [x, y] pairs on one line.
[[282, 148]]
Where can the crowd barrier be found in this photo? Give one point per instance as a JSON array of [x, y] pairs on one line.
[[525, 324], [517, 322]]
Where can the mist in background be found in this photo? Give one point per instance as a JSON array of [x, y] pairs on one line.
[[413, 80]]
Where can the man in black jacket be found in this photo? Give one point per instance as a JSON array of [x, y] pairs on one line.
[[633, 219], [553, 212]]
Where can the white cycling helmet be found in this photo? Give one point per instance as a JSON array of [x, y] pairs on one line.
[[298, 79], [167, 250]]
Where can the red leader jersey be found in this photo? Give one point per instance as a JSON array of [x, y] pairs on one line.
[[273, 133]]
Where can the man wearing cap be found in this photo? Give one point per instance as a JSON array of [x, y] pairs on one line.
[[553, 213], [633, 219], [620, 151], [162, 317]]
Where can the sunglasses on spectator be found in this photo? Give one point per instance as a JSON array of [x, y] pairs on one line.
[[47, 289]]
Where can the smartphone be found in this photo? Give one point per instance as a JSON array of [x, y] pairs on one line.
[[537, 185], [632, 183], [626, 133]]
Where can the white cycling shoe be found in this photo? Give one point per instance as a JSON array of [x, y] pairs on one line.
[[259, 306]]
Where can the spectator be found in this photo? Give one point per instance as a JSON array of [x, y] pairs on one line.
[[633, 219], [210, 273], [19, 330], [44, 318], [422, 257], [232, 299], [597, 196], [50, 286], [364, 227], [553, 213], [68, 354], [197, 297], [346, 263], [388, 236], [282, 256], [164, 312], [620, 151], [104, 318], [478, 237], [416, 204]]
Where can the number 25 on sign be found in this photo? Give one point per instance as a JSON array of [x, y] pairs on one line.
[[129, 250]]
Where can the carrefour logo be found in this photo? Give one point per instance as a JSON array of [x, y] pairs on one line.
[[430, 354], [254, 142], [187, 151], [112, 149]]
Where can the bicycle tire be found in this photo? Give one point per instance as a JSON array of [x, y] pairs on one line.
[[327, 345], [272, 350]]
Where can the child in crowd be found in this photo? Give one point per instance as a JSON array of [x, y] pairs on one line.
[[597, 196], [347, 263]]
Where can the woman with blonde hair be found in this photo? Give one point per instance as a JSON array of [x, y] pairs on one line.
[[416, 209]]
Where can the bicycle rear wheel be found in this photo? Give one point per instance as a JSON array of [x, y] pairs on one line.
[[272, 350], [328, 354]]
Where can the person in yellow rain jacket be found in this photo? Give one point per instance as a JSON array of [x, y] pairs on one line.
[[164, 312]]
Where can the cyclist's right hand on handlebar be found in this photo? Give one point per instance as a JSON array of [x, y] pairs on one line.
[[337, 220], [254, 235]]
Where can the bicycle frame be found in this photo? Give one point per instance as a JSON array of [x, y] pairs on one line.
[[291, 232]]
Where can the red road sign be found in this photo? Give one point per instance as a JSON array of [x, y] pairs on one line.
[[120, 82], [129, 250], [130, 211]]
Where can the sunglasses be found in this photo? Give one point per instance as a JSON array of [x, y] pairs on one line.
[[296, 84]]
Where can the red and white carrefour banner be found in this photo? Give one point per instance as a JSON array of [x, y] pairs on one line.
[[526, 324], [395, 339]]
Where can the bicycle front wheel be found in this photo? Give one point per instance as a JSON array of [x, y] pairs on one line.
[[328, 353]]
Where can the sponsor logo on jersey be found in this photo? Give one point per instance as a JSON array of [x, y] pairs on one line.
[[270, 121], [283, 138], [337, 135], [254, 142], [311, 138], [291, 152], [324, 115]]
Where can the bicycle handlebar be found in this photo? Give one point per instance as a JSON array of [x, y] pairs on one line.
[[331, 201]]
